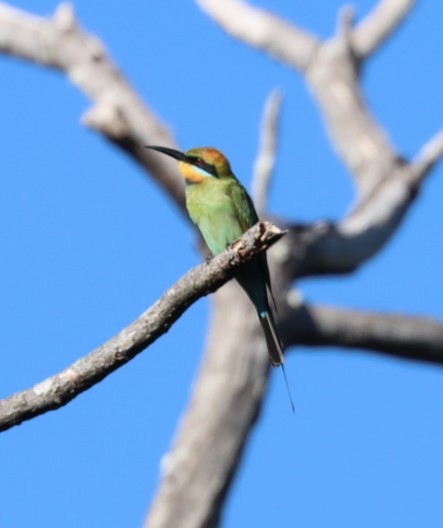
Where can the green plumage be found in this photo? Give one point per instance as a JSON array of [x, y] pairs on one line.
[[222, 210]]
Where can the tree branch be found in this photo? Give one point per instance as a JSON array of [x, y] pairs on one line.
[[266, 159], [228, 395], [430, 154], [401, 336], [118, 113], [225, 403], [386, 183], [60, 389], [379, 25], [260, 29], [229, 392], [327, 248]]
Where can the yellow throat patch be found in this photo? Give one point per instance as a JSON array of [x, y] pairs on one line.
[[191, 174]]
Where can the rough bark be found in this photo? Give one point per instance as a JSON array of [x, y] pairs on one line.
[[58, 390]]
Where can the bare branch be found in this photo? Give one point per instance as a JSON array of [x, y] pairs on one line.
[[263, 30], [229, 392], [266, 159], [327, 248], [379, 25], [428, 157], [396, 335], [332, 71], [227, 398], [118, 113], [358, 139], [386, 183], [60, 389], [345, 24], [231, 386]]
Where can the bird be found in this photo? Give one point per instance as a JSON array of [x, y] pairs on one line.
[[221, 208]]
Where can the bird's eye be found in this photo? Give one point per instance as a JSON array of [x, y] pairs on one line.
[[202, 164]]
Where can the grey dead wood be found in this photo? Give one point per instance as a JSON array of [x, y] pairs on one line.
[[229, 391], [386, 185], [63, 387]]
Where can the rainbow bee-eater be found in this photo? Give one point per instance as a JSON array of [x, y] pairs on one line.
[[222, 210]]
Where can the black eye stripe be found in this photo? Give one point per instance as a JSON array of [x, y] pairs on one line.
[[198, 162]]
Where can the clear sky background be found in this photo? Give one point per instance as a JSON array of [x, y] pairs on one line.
[[88, 242]]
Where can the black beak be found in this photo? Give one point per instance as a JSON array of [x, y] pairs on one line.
[[176, 154]]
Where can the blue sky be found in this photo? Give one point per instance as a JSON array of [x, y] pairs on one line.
[[89, 243]]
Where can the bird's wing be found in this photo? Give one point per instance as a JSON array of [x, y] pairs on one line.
[[243, 207], [246, 215]]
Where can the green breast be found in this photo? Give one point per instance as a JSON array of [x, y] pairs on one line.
[[214, 209]]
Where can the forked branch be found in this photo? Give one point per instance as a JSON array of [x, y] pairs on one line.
[[398, 335], [117, 112]]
